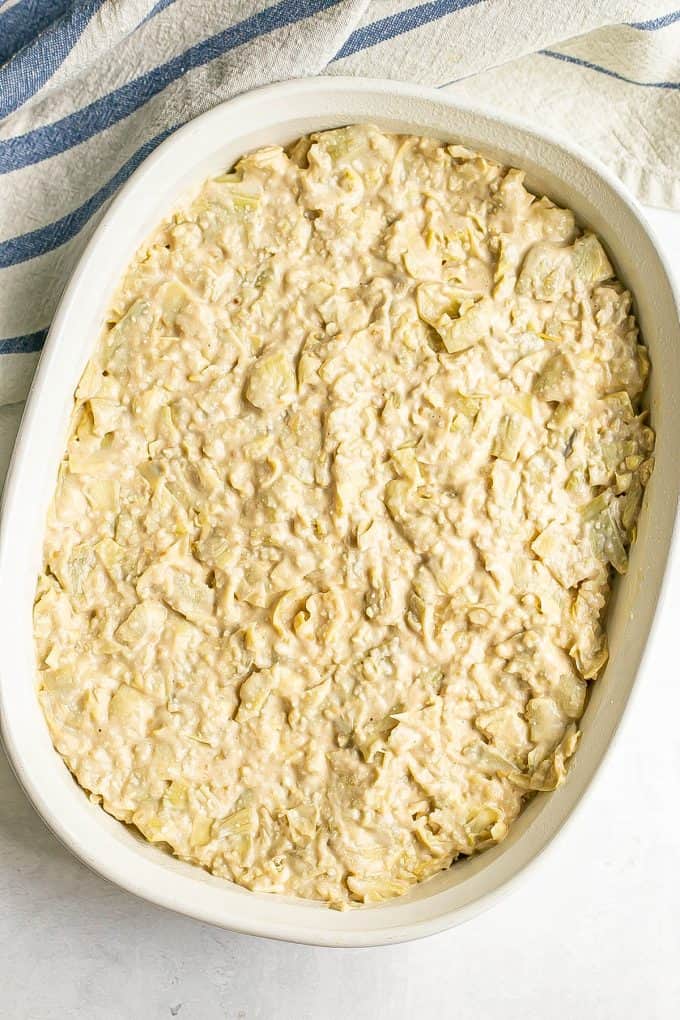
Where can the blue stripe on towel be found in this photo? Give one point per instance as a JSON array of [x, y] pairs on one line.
[[25, 73], [27, 19], [45, 239], [612, 74], [51, 139], [397, 24], [656, 23], [28, 344]]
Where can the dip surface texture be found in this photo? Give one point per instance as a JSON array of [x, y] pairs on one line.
[[347, 478]]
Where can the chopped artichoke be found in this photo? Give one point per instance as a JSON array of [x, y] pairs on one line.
[[103, 494], [148, 822], [144, 624], [488, 825], [460, 318], [556, 380], [131, 709], [590, 261], [562, 556], [374, 890], [253, 693], [545, 272], [241, 822], [201, 831], [188, 597], [512, 432], [272, 382], [106, 415], [176, 794], [607, 543]]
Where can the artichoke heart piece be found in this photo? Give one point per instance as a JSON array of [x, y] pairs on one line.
[[556, 380], [471, 326], [136, 321], [176, 794], [106, 415], [144, 623], [103, 494], [420, 261], [563, 557], [459, 317], [406, 463], [486, 826], [254, 692], [152, 472], [148, 822], [131, 709], [607, 543], [215, 550], [589, 259], [546, 726], [545, 273], [191, 599], [342, 144], [396, 496], [630, 503], [98, 460], [552, 771], [374, 890], [238, 823], [240, 195], [302, 822], [512, 431], [272, 382], [201, 831]]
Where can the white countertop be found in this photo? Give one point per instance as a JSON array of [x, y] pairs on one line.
[[594, 932]]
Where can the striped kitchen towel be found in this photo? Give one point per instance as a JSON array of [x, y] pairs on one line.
[[89, 87]]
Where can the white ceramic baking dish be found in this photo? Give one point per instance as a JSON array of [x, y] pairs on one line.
[[208, 144]]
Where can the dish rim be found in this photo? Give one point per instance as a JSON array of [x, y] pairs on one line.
[[162, 894]]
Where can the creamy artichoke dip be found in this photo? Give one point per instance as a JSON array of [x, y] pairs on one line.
[[346, 481]]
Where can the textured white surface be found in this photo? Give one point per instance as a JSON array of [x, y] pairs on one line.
[[593, 932]]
